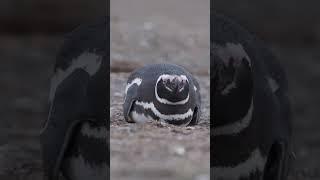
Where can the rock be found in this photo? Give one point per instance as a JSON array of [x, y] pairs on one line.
[[179, 150]]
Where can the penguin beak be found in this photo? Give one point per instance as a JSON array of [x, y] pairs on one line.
[[181, 85], [176, 85]]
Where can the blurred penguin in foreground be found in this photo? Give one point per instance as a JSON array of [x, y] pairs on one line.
[[75, 137], [251, 123]]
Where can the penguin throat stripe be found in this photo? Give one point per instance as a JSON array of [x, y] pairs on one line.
[[170, 77], [255, 162], [136, 81], [235, 127], [151, 106], [87, 61]]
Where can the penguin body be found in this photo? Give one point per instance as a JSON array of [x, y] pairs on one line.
[[251, 125], [74, 137], [164, 92]]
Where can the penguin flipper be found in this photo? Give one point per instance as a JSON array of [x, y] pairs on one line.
[[66, 110], [197, 109], [195, 117], [130, 98], [277, 165]]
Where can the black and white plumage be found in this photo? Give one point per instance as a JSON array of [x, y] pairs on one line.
[[74, 138], [164, 92], [251, 125]]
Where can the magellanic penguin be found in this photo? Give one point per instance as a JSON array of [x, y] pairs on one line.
[[164, 92], [74, 138], [251, 126]]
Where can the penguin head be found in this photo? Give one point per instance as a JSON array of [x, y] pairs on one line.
[[172, 89]]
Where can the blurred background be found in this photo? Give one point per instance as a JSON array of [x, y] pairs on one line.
[[31, 32], [150, 31], [292, 29]]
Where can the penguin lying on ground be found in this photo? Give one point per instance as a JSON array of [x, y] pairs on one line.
[[74, 138], [164, 92], [251, 125]]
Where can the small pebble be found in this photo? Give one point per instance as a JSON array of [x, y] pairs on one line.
[[179, 150], [190, 128]]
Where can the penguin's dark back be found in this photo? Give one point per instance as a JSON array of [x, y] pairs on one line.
[[270, 120], [264, 64], [79, 93], [90, 38]]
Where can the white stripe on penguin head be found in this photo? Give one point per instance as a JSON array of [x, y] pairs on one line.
[[170, 77], [136, 81], [90, 62]]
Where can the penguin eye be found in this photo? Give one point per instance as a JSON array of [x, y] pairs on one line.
[[164, 81], [182, 83]]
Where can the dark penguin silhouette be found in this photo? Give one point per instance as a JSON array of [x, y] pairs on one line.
[[164, 92], [251, 126], [74, 137]]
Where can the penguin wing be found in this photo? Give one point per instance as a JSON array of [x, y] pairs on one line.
[[266, 70], [65, 114], [279, 157], [278, 83], [197, 110], [130, 97], [79, 91], [197, 92]]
